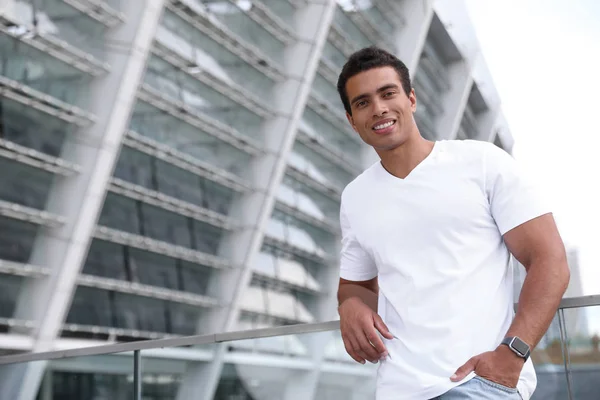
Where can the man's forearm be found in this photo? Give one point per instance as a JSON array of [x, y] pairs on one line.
[[349, 290], [540, 297]]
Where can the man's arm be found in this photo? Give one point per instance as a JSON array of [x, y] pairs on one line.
[[359, 321], [537, 245], [366, 291]]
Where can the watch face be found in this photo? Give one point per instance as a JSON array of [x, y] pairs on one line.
[[520, 346]]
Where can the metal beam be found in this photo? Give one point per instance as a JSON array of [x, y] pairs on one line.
[[79, 198]]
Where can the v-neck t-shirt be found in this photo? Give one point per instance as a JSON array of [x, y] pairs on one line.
[[435, 241]]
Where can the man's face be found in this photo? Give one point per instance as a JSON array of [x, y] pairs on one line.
[[382, 113]]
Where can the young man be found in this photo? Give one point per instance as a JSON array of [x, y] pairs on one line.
[[425, 261]]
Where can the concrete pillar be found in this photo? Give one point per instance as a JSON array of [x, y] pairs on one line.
[[455, 100], [254, 209], [79, 198]]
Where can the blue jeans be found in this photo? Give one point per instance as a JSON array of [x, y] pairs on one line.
[[479, 388]]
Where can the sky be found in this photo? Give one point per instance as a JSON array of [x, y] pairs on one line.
[[544, 57]]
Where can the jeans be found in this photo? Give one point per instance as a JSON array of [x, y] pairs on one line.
[[479, 388]]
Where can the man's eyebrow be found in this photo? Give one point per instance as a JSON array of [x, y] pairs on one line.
[[381, 89]]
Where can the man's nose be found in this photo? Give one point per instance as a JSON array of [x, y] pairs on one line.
[[379, 108]]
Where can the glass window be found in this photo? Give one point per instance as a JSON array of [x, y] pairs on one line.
[[178, 183], [135, 167], [215, 54], [106, 259], [355, 35], [23, 184], [166, 226], [173, 132], [9, 293], [325, 90], [16, 239], [331, 134], [153, 269], [183, 319], [140, 313], [195, 278], [196, 95], [120, 213], [42, 72], [78, 385], [31, 128], [67, 23], [374, 15], [217, 197], [236, 20], [334, 55], [206, 237], [283, 9], [91, 306]]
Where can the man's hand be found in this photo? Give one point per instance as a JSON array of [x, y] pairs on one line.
[[501, 366], [359, 325]]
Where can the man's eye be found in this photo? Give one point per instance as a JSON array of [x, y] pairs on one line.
[[361, 103], [388, 94]]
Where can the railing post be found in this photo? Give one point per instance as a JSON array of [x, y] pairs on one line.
[[137, 375], [565, 350]]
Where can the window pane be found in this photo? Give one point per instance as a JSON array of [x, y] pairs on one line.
[[217, 56], [16, 239], [178, 183], [141, 313], [66, 23], [120, 213], [25, 185], [164, 225], [247, 29], [207, 237], [153, 269], [195, 94], [90, 307], [42, 72], [106, 259], [195, 278], [135, 167], [332, 54], [355, 35], [147, 120], [183, 318], [9, 292], [31, 128]]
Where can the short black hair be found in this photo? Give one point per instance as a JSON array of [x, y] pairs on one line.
[[366, 59]]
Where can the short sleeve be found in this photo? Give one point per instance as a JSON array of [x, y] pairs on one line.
[[355, 263], [513, 198]]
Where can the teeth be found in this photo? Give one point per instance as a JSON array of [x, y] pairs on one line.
[[383, 126]]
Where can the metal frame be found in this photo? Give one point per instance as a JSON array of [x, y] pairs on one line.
[[574, 302]]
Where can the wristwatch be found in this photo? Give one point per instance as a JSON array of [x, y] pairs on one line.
[[518, 346]]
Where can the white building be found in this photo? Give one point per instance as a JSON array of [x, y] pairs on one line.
[[173, 167]]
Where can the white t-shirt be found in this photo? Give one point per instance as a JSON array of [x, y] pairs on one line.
[[434, 239]]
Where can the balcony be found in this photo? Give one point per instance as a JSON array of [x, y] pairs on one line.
[[567, 361]]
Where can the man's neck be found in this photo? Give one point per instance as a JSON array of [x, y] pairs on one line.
[[401, 160]]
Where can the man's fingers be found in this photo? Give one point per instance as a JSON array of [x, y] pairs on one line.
[[382, 327], [351, 349], [376, 342], [372, 354], [464, 370]]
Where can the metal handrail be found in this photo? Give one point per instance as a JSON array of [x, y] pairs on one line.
[[214, 338]]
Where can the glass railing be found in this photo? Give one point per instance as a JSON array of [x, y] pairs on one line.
[[257, 363]]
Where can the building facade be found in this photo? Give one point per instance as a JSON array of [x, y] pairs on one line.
[[174, 167]]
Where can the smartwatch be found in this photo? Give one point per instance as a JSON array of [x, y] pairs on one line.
[[518, 346]]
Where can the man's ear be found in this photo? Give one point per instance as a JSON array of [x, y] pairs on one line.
[[351, 120]]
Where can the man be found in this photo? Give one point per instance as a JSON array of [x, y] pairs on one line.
[[427, 234]]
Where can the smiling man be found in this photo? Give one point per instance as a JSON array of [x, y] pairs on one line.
[[426, 284]]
